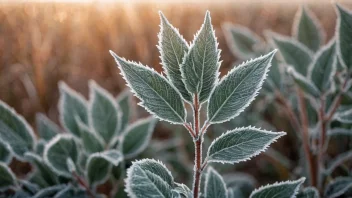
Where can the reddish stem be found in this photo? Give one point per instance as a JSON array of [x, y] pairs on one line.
[[198, 149], [83, 183]]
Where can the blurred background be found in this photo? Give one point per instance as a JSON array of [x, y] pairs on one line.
[[42, 43]]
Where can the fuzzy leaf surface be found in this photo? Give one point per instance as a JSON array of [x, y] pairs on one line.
[[344, 117], [172, 47], [149, 179], [344, 38], [338, 187], [7, 178], [287, 189], [309, 192], [337, 161], [5, 153], [201, 64], [46, 128], [91, 141], [15, 131], [72, 106], [158, 96], [137, 136], [49, 191], [124, 101], [238, 89], [240, 144], [304, 83], [214, 185]]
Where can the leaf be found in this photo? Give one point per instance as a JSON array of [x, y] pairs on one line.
[[305, 84], [46, 128], [71, 192], [292, 52], [7, 178], [339, 131], [308, 30], [235, 192], [99, 165], [158, 96], [240, 144], [137, 136], [344, 117], [15, 131], [323, 67], [124, 102], [149, 179], [241, 40], [29, 187], [286, 189], [172, 47], [238, 89], [104, 116], [344, 38], [92, 142], [49, 191], [57, 151], [5, 152], [337, 161], [338, 187], [275, 74], [43, 170], [72, 105], [200, 67], [39, 148], [214, 185], [183, 190], [309, 192]]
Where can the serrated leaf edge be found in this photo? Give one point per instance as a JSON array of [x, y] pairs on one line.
[[339, 8]]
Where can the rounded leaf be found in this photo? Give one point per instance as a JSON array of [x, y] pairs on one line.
[[214, 185]]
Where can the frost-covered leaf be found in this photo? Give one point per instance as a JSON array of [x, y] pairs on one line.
[[344, 38], [158, 96], [323, 67], [149, 179], [15, 131], [241, 40], [7, 178], [200, 67], [287, 189], [137, 136], [308, 30], [5, 152], [72, 105], [172, 47], [104, 116], [338, 187], [238, 89], [46, 128], [43, 170], [309, 192], [339, 131], [99, 165], [235, 192], [337, 161], [58, 150], [92, 142], [243, 182], [293, 52], [275, 75], [304, 83], [344, 117], [39, 147], [28, 187], [71, 192], [214, 185], [240, 144], [124, 101], [49, 191], [183, 190]]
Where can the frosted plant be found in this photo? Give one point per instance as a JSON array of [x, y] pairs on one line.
[[320, 75], [97, 140], [192, 79]]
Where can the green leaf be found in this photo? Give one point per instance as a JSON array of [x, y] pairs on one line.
[[39, 147], [7, 178], [104, 116], [286, 189], [158, 96], [238, 89], [338, 187], [58, 150], [124, 101], [200, 67], [308, 30], [50, 191], [214, 185], [338, 161], [235, 192], [304, 83], [92, 142], [5, 152], [71, 192], [275, 74], [172, 47], [183, 190], [241, 40], [46, 128], [323, 67], [15, 131], [339, 131], [137, 136], [292, 52], [309, 192], [344, 117], [99, 165], [72, 105], [42, 169], [149, 179], [344, 38], [240, 144]]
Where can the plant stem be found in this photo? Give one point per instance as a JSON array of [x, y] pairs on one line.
[[198, 148], [83, 183], [320, 162], [336, 102], [305, 138], [288, 110]]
